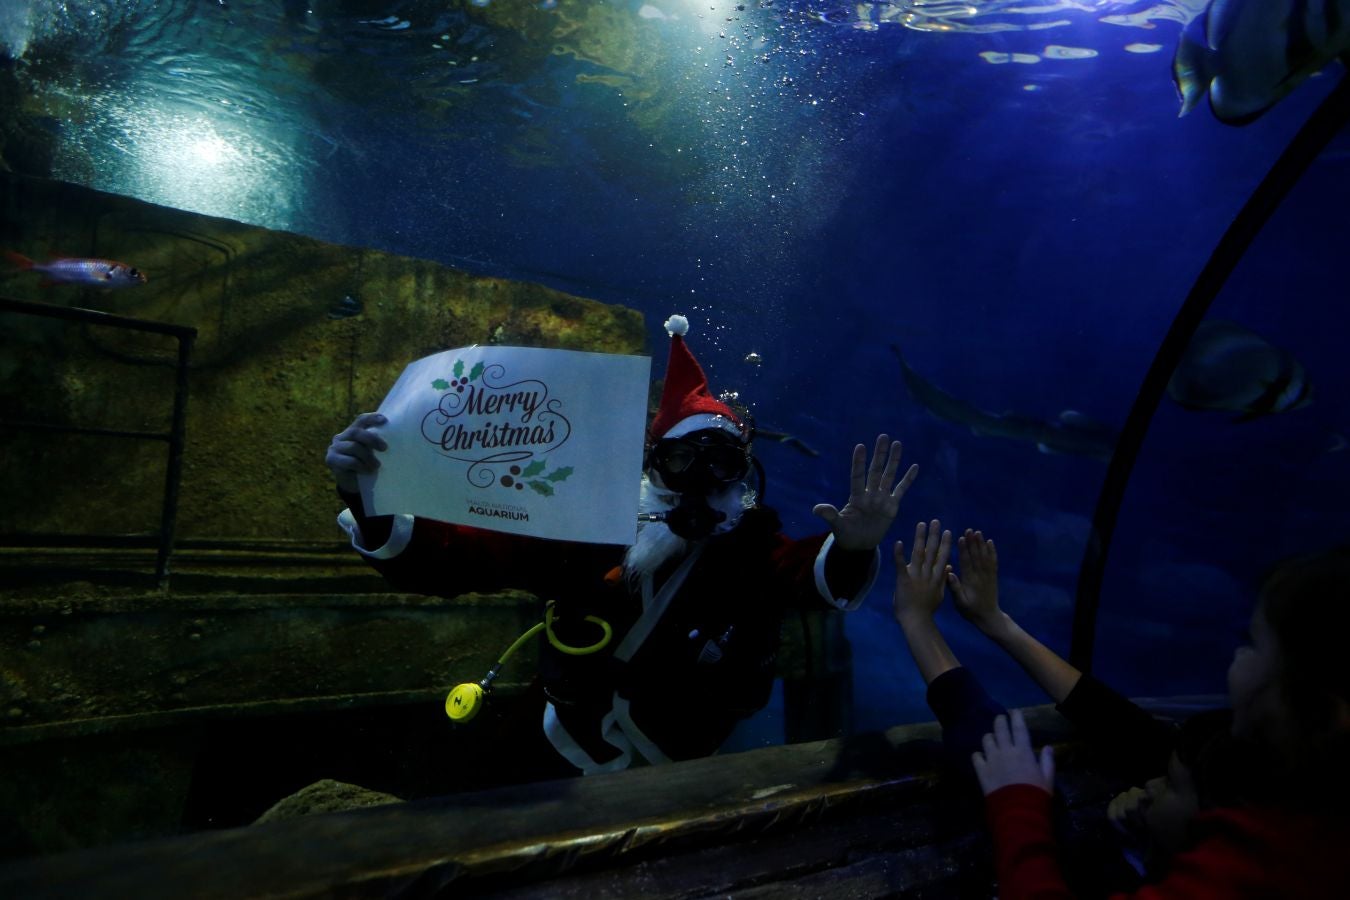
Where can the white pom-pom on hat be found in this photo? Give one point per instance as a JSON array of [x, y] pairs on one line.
[[686, 403]]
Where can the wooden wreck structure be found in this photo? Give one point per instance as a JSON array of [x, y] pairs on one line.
[[858, 817]]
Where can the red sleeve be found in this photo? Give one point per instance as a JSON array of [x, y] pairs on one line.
[[1027, 866], [794, 560], [1024, 845], [447, 560], [846, 574], [1211, 870], [1255, 853]]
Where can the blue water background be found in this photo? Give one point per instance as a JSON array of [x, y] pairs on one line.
[[1025, 233]]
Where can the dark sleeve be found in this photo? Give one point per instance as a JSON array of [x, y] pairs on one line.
[[966, 712], [1128, 735]]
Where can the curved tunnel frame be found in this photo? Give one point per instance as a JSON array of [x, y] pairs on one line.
[[1329, 118]]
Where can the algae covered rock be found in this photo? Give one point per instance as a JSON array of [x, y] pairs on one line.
[[294, 338], [325, 797]]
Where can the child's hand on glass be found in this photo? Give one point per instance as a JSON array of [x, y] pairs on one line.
[[1008, 759]]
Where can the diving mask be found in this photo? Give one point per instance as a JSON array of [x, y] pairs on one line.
[[701, 462]]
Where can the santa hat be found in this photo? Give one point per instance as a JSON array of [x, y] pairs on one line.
[[686, 403]]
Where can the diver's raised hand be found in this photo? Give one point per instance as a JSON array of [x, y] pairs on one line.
[[975, 592], [352, 451], [920, 582], [872, 502]]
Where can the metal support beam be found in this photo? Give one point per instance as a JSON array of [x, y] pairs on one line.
[[1315, 134]]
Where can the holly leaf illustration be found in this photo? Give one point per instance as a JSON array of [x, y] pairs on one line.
[[476, 371], [533, 468], [459, 368], [541, 488], [559, 474], [440, 384]]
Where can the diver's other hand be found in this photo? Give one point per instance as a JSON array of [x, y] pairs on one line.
[[872, 502], [919, 583], [1008, 759], [352, 451], [975, 592]]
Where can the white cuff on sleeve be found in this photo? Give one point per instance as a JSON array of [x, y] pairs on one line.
[[848, 604], [399, 536]]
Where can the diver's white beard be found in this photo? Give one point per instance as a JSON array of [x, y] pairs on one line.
[[656, 544]]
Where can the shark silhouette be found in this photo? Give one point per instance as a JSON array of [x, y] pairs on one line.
[[1072, 433]]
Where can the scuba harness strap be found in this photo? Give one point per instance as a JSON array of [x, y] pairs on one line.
[[654, 607]]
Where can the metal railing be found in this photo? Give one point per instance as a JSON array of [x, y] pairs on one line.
[[174, 437]]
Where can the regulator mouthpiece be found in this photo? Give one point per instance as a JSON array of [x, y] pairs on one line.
[[465, 700]]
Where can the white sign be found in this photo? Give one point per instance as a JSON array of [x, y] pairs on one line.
[[539, 442]]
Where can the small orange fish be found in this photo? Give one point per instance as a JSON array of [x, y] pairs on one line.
[[102, 273]]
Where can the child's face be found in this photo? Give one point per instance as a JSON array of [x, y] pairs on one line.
[[1173, 803], [1252, 682]]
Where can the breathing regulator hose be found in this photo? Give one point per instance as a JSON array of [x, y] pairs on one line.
[[465, 700]]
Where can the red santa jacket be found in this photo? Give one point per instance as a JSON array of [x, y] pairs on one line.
[[684, 698]]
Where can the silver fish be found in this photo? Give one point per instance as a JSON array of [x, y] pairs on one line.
[[1248, 54], [1229, 368], [103, 273]]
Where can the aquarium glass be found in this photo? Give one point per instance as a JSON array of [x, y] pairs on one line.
[[966, 225]]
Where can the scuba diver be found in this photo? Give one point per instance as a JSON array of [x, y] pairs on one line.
[[656, 651]]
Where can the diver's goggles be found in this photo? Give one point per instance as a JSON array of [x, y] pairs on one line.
[[700, 460]]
